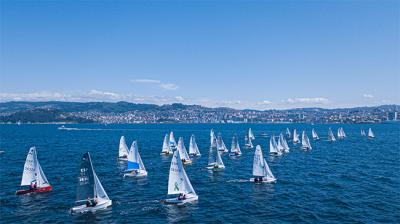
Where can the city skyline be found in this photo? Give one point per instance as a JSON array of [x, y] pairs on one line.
[[256, 55]]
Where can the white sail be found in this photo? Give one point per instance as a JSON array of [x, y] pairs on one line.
[[178, 182], [362, 132], [193, 148], [370, 133], [182, 150], [99, 191], [305, 141], [260, 166], [165, 148], [280, 146], [285, 144], [343, 133], [172, 142], [33, 172], [288, 134], [331, 137], [134, 160], [258, 163], [212, 136], [214, 157], [267, 172], [251, 135], [314, 134], [235, 148], [273, 148], [295, 136], [123, 148], [220, 144]]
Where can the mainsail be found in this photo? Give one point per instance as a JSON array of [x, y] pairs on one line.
[[305, 142], [251, 135], [273, 148], [193, 148], [214, 157], [288, 134], [172, 142], [33, 172], [134, 160], [123, 148], [362, 132], [314, 134], [370, 133], [178, 181], [182, 150], [331, 137], [260, 165], [295, 136], [166, 148], [89, 185], [235, 148]]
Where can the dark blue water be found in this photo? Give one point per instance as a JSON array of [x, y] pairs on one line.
[[353, 180]]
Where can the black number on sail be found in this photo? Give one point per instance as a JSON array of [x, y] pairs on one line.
[[85, 188]]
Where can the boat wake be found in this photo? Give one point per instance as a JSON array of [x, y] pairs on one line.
[[238, 181]]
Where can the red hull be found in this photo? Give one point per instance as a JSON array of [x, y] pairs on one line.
[[37, 190]]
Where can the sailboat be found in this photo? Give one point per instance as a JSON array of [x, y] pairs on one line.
[[166, 149], [135, 164], [280, 146], [370, 133], [248, 142], [215, 162], [183, 153], [90, 194], [33, 175], [261, 171], [295, 137], [288, 134], [305, 141], [273, 148], [220, 144], [314, 134], [235, 148], [123, 149], [178, 183], [193, 148], [172, 142], [251, 135], [340, 133], [331, 137], [283, 142], [212, 136], [362, 132]]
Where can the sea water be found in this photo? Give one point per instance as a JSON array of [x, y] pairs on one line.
[[352, 180]]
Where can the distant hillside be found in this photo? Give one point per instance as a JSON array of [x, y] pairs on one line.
[[125, 112]]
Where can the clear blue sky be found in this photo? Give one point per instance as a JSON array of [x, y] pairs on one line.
[[257, 54]]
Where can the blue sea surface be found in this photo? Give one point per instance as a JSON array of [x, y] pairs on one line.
[[355, 180]]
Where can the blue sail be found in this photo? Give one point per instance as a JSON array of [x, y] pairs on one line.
[[133, 165]]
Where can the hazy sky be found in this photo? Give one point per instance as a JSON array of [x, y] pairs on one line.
[[242, 54]]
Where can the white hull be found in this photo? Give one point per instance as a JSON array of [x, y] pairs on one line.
[[189, 162], [194, 154], [84, 209], [216, 168], [232, 154], [263, 181], [305, 148], [140, 174], [166, 154], [123, 158], [176, 201]]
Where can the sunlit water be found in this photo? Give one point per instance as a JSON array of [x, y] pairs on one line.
[[351, 180]]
